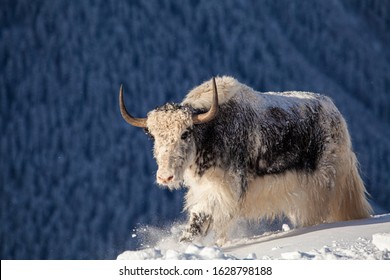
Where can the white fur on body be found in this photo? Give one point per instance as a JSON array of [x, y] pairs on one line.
[[334, 191]]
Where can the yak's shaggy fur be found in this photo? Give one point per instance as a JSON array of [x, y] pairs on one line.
[[264, 155]]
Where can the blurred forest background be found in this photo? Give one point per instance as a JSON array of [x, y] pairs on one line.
[[75, 179]]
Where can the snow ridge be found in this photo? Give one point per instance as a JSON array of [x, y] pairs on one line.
[[358, 239]]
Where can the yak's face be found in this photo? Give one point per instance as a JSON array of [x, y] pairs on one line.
[[174, 147], [171, 127]]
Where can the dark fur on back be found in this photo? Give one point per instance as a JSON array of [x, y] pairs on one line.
[[290, 140]]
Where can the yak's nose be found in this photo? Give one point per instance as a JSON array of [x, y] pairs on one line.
[[164, 180]]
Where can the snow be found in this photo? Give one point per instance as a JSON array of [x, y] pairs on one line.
[[357, 239], [285, 227], [381, 240]]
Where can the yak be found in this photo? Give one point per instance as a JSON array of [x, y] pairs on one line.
[[252, 155]]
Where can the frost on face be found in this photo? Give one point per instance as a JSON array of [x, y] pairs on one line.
[[170, 125]]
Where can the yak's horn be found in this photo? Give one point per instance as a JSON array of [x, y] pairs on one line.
[[138, 122], [210, 114]]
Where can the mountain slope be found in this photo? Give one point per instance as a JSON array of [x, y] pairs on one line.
[[358, 239]]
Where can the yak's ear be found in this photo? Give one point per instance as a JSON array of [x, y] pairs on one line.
[[210, 114]]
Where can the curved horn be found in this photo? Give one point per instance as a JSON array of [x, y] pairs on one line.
[[138, 122], [210, 114]]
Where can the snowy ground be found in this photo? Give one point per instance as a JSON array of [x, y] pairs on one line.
[[359, 239]]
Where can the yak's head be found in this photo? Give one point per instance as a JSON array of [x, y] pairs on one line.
[[171, 127]]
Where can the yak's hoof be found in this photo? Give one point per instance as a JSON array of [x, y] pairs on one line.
[[221, 241], [186, 237]]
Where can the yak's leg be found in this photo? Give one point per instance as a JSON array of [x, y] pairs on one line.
[[222, 229], [198, 225]]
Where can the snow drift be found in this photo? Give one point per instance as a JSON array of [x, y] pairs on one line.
[[357, 239]]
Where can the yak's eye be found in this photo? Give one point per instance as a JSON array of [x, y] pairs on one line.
[[148, 133], [185, 135]]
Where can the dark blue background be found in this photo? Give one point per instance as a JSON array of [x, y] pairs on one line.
[[75, 179]]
